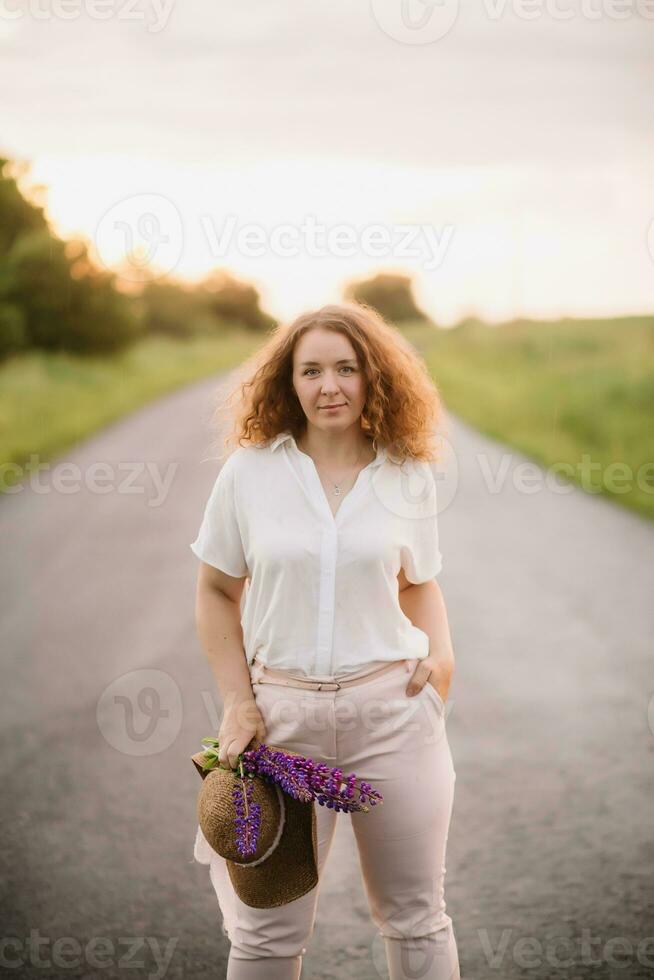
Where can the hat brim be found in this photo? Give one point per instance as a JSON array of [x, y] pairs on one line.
[[291, 870]]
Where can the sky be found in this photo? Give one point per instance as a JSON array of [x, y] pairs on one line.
[[500, 152]]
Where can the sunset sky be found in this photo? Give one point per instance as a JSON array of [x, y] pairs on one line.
[[513, 157]]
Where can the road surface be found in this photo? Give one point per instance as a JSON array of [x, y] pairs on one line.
[[550, 721]]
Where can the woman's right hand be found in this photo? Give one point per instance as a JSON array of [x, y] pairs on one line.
[[240, 724]]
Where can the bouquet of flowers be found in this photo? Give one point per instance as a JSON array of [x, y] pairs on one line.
[[302, 778]]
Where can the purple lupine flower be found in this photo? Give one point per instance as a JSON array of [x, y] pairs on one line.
[[302, 778], [280, 768], [248, 819], [307, 779]]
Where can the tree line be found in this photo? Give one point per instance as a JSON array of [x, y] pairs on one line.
[[53, 296]]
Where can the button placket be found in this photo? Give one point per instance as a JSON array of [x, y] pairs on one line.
[[327, 592], [323, 664]]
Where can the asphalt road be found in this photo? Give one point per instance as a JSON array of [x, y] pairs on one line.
[[550, 721]]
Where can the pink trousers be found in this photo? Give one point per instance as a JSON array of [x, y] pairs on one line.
[[398, 744]]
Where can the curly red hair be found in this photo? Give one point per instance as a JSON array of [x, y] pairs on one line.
[[402, 408]]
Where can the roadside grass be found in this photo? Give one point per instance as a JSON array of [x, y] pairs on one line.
[[575, 392], [51, 401], [556, 390]]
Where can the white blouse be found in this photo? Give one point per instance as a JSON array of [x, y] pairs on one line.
[[321, 596]]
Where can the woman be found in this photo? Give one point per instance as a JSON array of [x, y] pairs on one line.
[[339, 647]]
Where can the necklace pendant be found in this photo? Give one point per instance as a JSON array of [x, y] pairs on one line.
[[337, 489]]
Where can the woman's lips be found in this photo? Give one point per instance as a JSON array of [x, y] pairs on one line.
[[331, 408]]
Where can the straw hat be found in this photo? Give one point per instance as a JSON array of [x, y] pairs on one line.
[[285, 863]]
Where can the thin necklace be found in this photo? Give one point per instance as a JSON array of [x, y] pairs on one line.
[[338, 489]]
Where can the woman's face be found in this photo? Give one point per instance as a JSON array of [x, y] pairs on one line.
[[326, 372]]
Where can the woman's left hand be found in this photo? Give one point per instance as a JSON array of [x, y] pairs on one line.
[[440, 677]]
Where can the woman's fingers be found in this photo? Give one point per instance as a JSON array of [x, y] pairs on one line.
[[230, 749], [233, 743], [419, 678], [223, 757]]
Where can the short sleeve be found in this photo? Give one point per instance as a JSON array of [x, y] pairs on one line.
[[420, 553], [219, 541]]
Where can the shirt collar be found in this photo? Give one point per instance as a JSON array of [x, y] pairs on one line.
[[288, 437]]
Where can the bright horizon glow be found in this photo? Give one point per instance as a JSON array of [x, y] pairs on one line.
[[540, 195]]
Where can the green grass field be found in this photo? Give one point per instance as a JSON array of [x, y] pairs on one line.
[[553, 390], [49, 402], [556, 391]]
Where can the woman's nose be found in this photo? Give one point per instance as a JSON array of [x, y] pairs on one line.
[[329, 388]]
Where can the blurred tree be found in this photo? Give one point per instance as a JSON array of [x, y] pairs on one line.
[[216, 304], [13, 335], [67, 304], [233, 301], [171, 308], [18, 214], [390, 293], [51, 294]]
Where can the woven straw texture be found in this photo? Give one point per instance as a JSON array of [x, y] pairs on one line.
[[291, 870], [217, 813]]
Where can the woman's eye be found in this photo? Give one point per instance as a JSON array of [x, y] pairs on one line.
[[346, 367]]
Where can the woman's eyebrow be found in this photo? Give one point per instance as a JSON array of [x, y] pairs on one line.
[[343, 360]]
